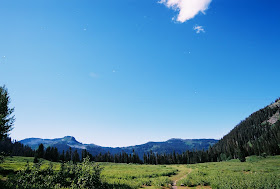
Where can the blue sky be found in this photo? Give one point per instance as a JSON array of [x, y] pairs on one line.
[[119, 73]]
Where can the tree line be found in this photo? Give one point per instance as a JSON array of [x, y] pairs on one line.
[[15, 148], [52, 154]]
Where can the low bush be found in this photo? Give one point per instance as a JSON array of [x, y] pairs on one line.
[[84, 175]]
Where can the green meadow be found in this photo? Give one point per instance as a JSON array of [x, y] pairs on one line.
[[14, 164], [256, 172], [136, 176]]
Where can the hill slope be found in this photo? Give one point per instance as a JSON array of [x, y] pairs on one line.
[[259, 134]]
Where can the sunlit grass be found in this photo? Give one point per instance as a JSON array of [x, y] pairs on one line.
[[256, 172], [17, 163], [136, 176]]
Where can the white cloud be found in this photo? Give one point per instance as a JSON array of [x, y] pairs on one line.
[[188, 9], [198, 29]]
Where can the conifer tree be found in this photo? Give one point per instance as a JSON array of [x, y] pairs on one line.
[[6, 118], [40, 151], [76, 157]]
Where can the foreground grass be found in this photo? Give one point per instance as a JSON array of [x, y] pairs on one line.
[[256, 172], [130, 176], [14, 164], [136, 176]]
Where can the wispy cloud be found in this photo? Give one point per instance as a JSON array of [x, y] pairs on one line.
[[93, 75], [187, 9], [198, 29], [3, 60]]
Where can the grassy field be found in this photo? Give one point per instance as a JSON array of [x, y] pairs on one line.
[[13, 164], [136, 176], [256, 172], [119, 175]]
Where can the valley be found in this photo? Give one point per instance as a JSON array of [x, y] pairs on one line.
[[131, 94]]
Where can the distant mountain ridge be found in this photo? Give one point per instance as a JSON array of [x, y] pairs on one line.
[[69, 140], [177, 145]]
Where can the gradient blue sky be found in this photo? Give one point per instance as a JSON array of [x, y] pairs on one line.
[[119, 73]]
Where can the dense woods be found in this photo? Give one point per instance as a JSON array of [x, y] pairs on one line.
[[253, 136], [14, 148]]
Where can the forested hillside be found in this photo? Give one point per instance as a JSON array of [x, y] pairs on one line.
[[259, 134]]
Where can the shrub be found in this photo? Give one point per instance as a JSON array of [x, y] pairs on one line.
[[84, 175]]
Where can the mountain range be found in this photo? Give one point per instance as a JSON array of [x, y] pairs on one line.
[[177, 145]]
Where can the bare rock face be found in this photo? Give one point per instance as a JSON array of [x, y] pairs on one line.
[[274, 118]]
